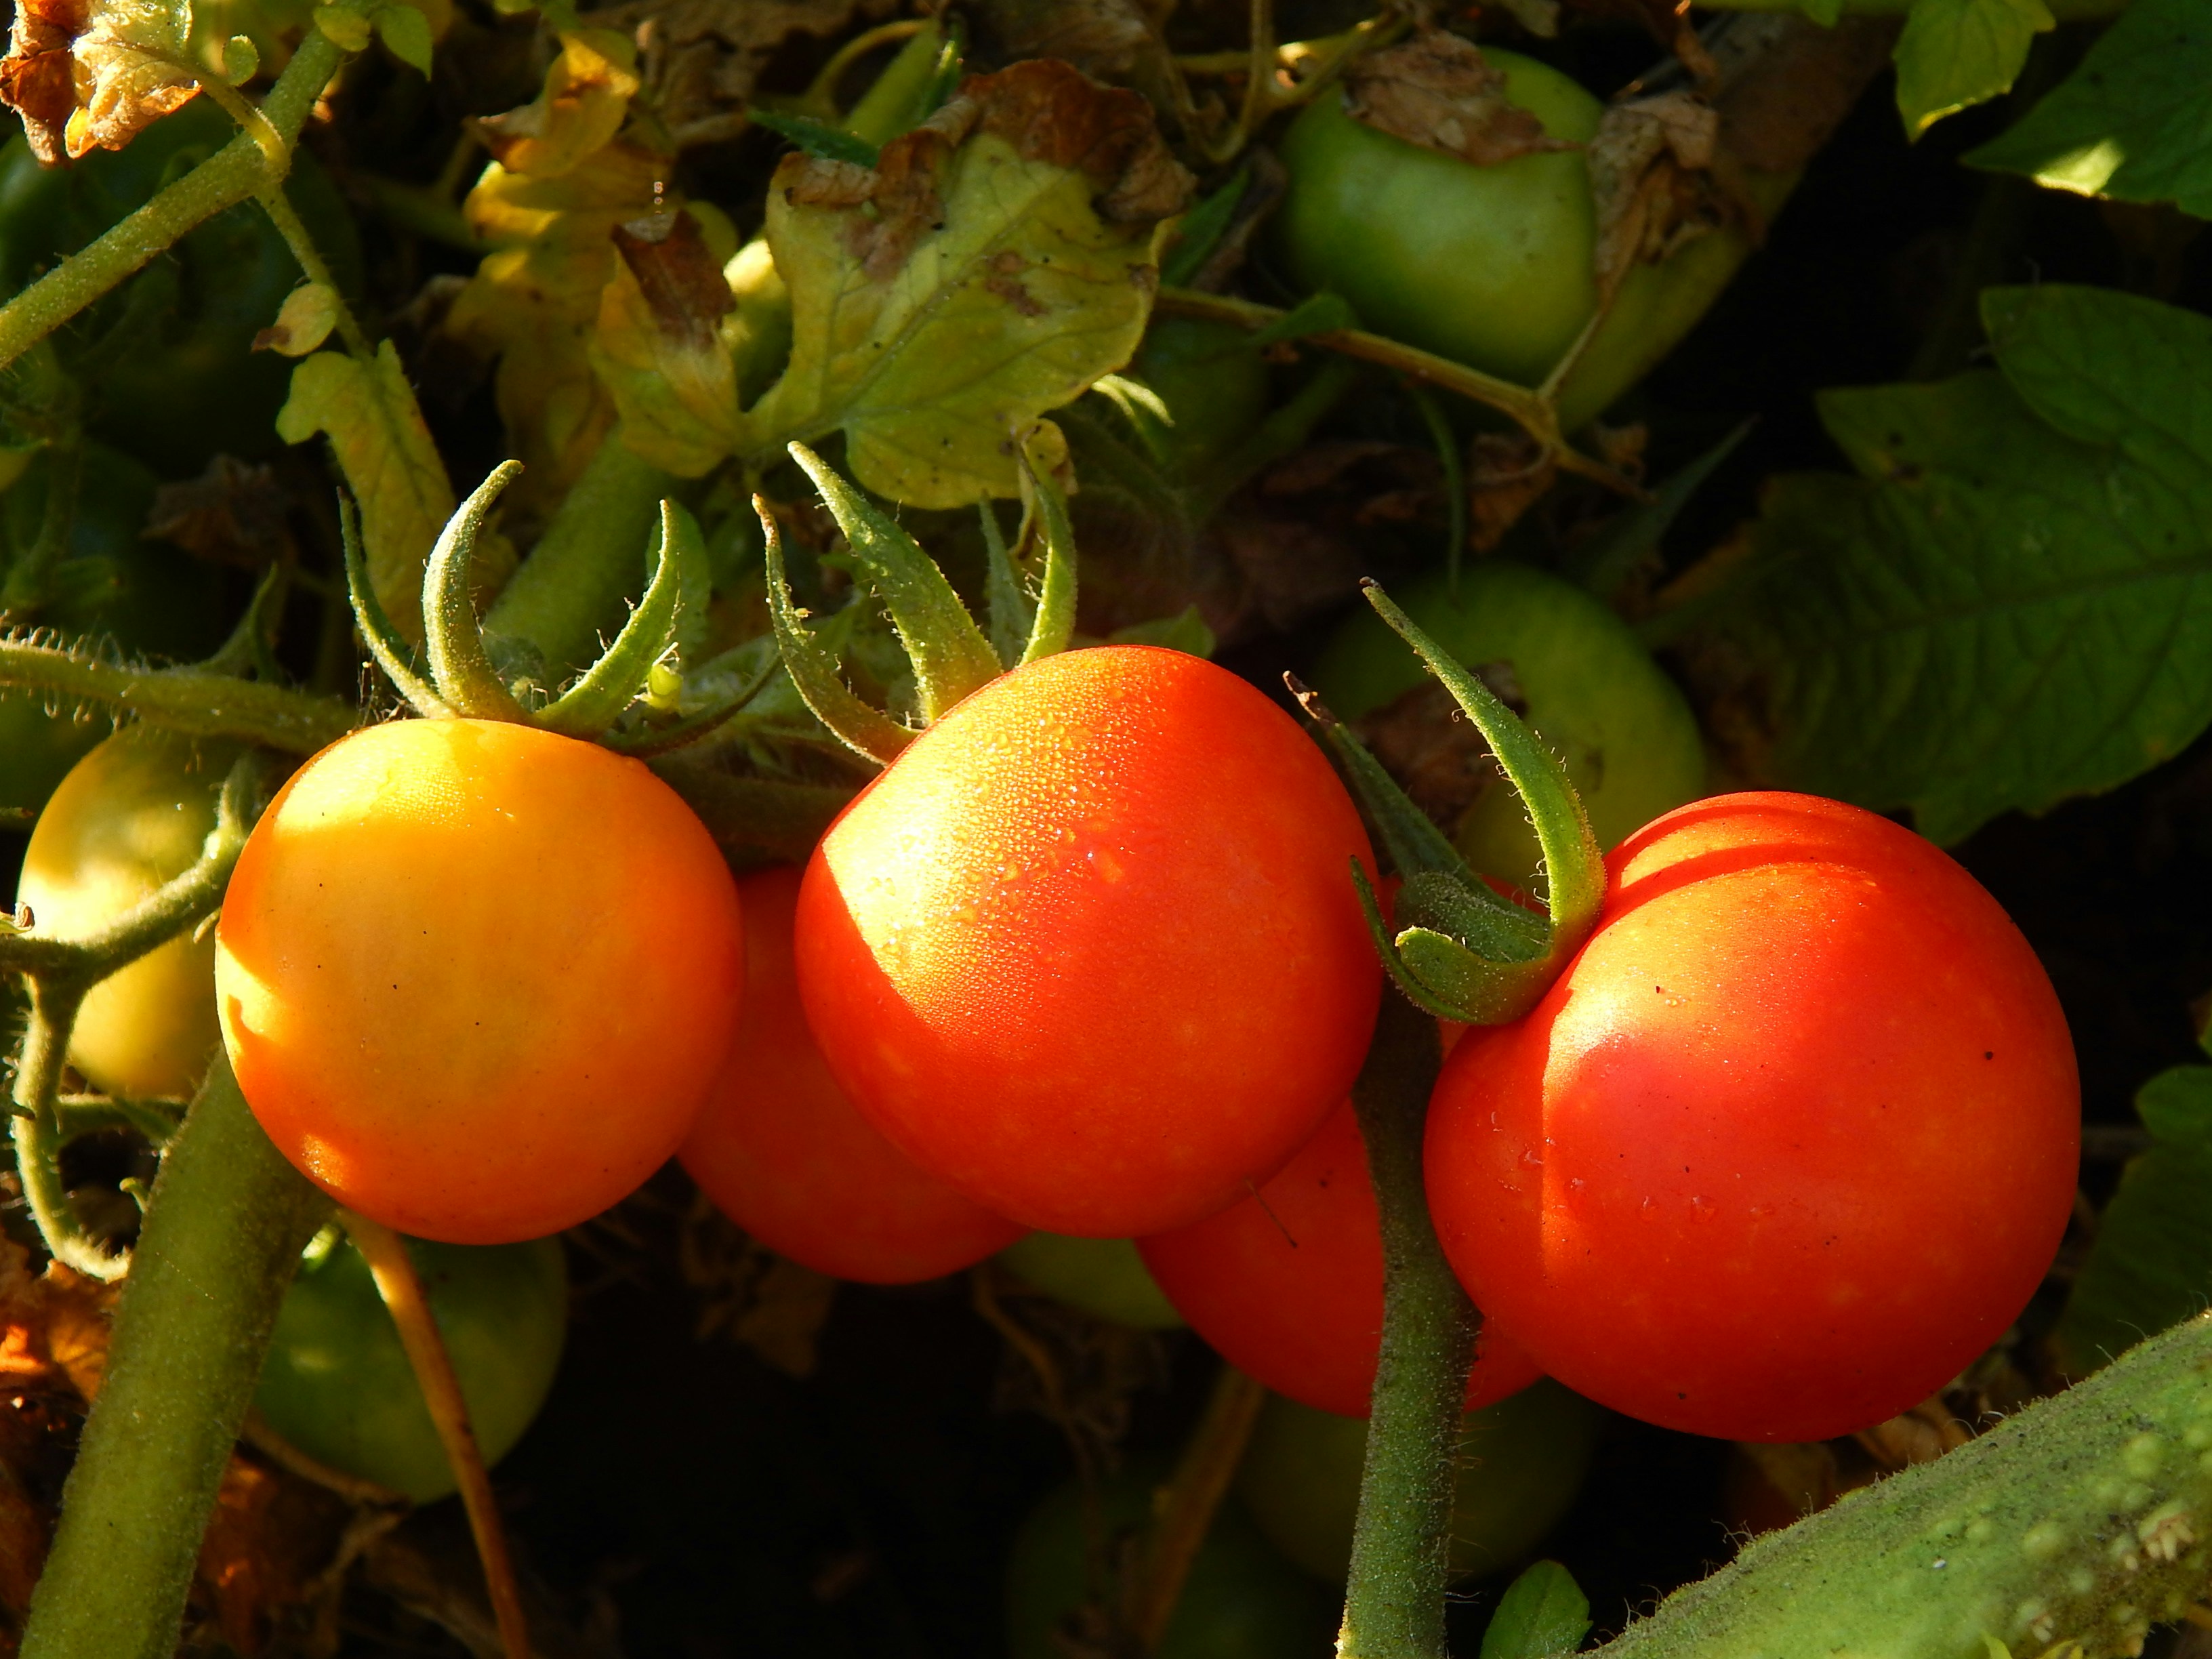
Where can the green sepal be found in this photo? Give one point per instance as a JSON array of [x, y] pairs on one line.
[[949, 654], [609, 686], [814, 672], [391, 652], [1013, 612], [819, 138], [649, 741], [1055, 608], [462, 674], [1201, 230], [1543, 1612]]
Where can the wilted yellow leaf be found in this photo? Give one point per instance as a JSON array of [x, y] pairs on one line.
[[309, 312], [659, 346], [93, 73], [996, 262], [585, 101], [369, 414]]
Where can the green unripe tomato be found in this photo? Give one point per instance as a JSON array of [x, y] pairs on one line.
[[146, 597], [1521, 1461], [1593, 695], [131, 816], [1103, 1276], [337, 1384], [1490, 265], [1213, 382], [1242, 1600]]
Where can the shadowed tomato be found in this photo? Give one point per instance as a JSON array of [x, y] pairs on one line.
[[476, 978], [1089, 948], [1103, 1277], [1287, 1284], [1792, 1140], [785, 1155]]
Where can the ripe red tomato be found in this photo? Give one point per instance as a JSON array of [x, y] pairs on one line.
[[475, 978], [789, 1158], [1792, 1140], [1287, 1284], [1090, 949]]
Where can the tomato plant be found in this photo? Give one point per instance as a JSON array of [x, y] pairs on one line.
[[1792, 1140], [1104, 1277], [1213, 382], [1592, 692], [130, 815], [1287, 1283], [528, 948], [784, 1154], [1028, 949], [1243, 1601], [337, 1384], [1521, 1462]]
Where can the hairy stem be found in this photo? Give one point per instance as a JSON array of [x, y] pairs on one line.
[[240, 169], [222, 1239], [312, 266], [591, 558], [1393, 1606], [201, 705]]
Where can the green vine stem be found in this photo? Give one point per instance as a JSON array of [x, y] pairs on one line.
[[2067, 1530], [61, 970], [312, 266], [1394, 1605], [591, 558], [196, 703], [222, 1241], [237, 171]]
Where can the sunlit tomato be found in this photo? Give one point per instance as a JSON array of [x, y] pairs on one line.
[[1103, 1277], [1287, 1283], [1792, 1140], [338, 1383], [1590, 689], [1242, 1600], [131, 816], [1521, 1461], [789, 1158], [476, 979], [1089, 948]]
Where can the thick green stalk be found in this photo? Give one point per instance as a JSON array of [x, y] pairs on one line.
[[591, 558], [1393, 1606], [201, 705], [224, 1234], [237, 171], [2082, 1519]]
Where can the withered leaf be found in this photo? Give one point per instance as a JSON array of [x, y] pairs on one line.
[[679, 277], [657, 350], [706, 55], [1651, 177], [232, 513], [87, 74], [1435, 90], [583, 104]]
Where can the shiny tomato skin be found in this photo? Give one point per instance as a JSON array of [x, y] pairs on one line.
[[785, 1154], [1090, 949], [1791, 1141], [476, 978], [1287, 1286]]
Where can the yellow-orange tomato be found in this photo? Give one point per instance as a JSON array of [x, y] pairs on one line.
[[475, 979], [1091, 948], [787, 1157]]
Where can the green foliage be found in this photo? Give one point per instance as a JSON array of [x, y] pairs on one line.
[[2132, 122], [2007, 606], [2151, 1265], [819, 138], [1956, 53], [1542, 1612]]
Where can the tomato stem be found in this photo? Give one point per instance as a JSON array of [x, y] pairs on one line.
[[239, 170], [401, 1287], [1394, 1605], [191, 701], [222, 1239]]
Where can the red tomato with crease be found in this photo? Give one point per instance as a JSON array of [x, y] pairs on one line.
[[786, 1155], [1089, 948], [1791, 1141], [1287, 1286]]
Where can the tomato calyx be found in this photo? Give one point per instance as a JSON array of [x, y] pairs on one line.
[[1457, 948], [462, 680], [952, 656]]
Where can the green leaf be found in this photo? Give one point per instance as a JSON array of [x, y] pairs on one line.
[[406, 32], [1186, 631], [376, 430], [1199, 231], [2014, 604], [2151, 1264], [2132, 122], [817, 138], [1543, 1612], [997, 263], [1957, 53]]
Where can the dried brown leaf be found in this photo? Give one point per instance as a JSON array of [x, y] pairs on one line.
[[87, 74], [681, 279], [703, 58], [1650, 175], [233, 514], [1435, 90]]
